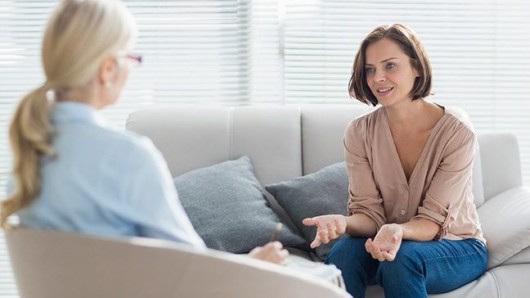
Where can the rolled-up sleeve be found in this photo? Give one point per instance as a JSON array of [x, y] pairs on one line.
[[364, 197], [451, 184]]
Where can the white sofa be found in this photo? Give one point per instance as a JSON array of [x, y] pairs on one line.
[[287, 141]]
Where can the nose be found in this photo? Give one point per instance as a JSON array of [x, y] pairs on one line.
[[379, 76]]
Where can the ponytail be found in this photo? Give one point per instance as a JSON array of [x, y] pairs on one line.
[[31, 135], [78, 37]]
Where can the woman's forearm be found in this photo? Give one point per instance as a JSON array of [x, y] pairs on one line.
[[360, 225], [420, 230]]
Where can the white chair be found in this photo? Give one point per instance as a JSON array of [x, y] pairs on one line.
[[49, 264]]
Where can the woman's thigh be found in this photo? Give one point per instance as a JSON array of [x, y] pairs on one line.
[[446, 264], [350, 256]]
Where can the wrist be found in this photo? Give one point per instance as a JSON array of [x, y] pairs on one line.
[[399, 229]]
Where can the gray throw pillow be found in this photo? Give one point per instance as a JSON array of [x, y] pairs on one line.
[[227, 207], [323, 192]]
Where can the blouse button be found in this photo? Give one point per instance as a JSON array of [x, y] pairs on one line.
[[402, 211]]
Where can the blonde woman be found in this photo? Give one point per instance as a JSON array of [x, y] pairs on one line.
[[74, 172]]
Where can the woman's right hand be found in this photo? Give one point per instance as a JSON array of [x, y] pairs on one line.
[[329, 227], [272, 252]]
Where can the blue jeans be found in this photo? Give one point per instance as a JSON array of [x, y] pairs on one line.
[[419, 268]]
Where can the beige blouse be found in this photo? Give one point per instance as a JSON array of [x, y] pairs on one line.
[[439, 188]]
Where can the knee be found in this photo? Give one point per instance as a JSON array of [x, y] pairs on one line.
[[406, 264]]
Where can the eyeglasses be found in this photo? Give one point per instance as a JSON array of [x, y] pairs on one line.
[[136, 58]]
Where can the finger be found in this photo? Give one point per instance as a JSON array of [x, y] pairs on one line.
[[376, 251], [368, 245], [316, 242], [255, 250], [381, 255], [332, 231], [341, 228], [324, 237], [377, 254], [309, 221], [388, 256], [321, 232], [283, 253], [279, 257], [277, 244]]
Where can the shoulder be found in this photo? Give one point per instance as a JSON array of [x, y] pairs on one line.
[[364, 125], [127, 146], [457, 128], [458, 121], [459, 117]]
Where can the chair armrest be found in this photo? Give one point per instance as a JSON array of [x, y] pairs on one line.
[[62, 264], [505, 221]]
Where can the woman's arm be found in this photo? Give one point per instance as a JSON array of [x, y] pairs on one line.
[[419, 230], [332, 226], [360, 225], [365, 201], [450, 186], [388, 240]]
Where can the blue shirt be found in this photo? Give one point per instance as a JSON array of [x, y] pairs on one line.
[[107, 182]]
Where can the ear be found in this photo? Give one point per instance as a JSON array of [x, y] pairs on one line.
[[413, 64], [107, 70]]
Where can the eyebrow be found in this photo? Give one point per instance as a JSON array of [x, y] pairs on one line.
[[368, 64]]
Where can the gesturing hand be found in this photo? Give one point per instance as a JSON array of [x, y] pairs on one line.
[[386, 243], [329, 227]]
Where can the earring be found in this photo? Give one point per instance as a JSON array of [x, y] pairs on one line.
[[108, 84]]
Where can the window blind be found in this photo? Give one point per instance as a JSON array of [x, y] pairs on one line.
[[194, 52], [478, 49], [288, 51], [21, 29]]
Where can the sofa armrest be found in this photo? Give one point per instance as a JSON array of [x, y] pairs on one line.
[[505, 221]]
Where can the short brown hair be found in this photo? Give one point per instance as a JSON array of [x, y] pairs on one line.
[[409, 42]]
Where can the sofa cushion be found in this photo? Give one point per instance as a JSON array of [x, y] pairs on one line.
[[506, 224], [323, 192], [227, 207]]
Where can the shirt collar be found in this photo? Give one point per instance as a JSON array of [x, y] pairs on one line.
[[69, 112]]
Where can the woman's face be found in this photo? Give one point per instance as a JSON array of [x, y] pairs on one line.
[[389, 73]]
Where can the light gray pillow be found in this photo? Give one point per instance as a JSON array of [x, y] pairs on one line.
[[227, 207], [323, 192]]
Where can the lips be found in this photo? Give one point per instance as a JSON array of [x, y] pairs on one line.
[[384, 91]]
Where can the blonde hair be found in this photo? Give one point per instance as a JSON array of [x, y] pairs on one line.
[[78, 37]]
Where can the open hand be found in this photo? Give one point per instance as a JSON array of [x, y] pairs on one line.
[[329, 227], [386, 243], [272, 252]]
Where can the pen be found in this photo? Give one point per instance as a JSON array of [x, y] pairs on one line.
[[277, 230]]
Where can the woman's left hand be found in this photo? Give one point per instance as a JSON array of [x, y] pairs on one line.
[[386, 243]]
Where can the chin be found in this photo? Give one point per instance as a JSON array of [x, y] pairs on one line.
[[385, 102]]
